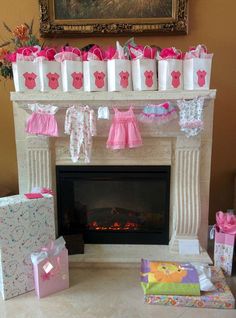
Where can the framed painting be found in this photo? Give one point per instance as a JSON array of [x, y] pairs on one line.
[[107, 17]]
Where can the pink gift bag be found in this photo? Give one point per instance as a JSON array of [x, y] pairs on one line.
[[51, 273], [225, 232]]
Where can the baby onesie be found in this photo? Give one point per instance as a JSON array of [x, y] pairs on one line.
[[80, 124], [42, 121], [191, 116]]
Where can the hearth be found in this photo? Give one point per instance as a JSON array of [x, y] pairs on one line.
[[114, 204]]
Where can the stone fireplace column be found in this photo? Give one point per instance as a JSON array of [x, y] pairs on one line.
[[34, 155], [186, 190]]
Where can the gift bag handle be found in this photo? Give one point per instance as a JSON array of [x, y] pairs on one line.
[[50, 49], [99, 50], [78, 50], [148, 47]]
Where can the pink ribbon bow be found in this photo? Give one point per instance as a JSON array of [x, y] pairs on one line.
[[226, 222]]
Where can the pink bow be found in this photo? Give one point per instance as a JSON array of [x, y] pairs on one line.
[[226, 222]]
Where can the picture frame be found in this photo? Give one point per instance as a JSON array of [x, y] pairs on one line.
[[60, 18]]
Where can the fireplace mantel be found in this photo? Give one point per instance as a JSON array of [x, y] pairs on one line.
[[189, 158]]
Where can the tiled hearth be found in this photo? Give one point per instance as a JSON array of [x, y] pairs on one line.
[[189, 158]]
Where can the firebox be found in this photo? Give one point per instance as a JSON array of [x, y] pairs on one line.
[[114, 204]]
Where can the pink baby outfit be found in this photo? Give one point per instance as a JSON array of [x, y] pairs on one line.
[[80, 124], [42, 121], [124, 131]]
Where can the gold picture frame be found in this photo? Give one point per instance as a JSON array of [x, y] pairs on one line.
[[93, 17]]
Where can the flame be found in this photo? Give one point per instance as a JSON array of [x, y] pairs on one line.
[[116, 226]]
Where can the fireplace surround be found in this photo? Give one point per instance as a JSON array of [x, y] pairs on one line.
[[166, 145]]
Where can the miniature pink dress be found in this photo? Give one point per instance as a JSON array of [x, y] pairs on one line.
[[42, 121], [124, 131]]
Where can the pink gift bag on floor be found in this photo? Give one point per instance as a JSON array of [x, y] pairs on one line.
[[225, 233], [51, 273]]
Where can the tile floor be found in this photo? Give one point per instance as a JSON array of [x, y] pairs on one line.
[[100, 293]]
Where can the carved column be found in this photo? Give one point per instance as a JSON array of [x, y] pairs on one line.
[[39, 162], [186, 191], [34, 157]]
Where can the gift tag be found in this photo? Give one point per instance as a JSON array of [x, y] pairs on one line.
[[47, 267]]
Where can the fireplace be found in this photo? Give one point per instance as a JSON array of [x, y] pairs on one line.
[[114, 204]]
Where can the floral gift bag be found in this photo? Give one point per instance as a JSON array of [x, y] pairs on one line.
[[225, 233], [71, 68], [49, 70], [25, 69], [170, 69], [118, 69], [50, 265], [144, 68], [197, 68], [94, 70]]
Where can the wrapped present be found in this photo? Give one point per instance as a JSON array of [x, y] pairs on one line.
[[225, 233], [144, 68], [169, 278], [94, 70], [51, 273], [197, 68], [118, 69], [25, 225], [221, 298], [71, 68], [170, 69]]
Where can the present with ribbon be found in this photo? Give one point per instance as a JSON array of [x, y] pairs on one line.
[[197, 68], [25, 69], [118, 69], [51, 273], [144, 68], [71, 68], [49, 70], [94, 70], [170, 69], [225, 233]]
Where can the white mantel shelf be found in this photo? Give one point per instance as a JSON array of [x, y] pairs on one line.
[[111, 96]]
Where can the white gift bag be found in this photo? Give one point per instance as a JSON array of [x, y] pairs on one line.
[[50, 75], [144, 74], [170, 74], [95, 75], [72, 75], [119, 75], [26, 76], [197, 73]]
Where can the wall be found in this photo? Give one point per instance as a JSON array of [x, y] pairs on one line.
[[211, 22]]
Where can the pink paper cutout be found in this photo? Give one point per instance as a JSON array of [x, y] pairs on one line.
[[77, 80], [175, 78], [124, 79], [148, 78], [201, 77], [30, 80], [99, 79], [53, 80]]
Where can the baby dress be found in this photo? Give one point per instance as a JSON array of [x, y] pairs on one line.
[[124, 131], [160, 114], [42, 121], [80, 124]]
